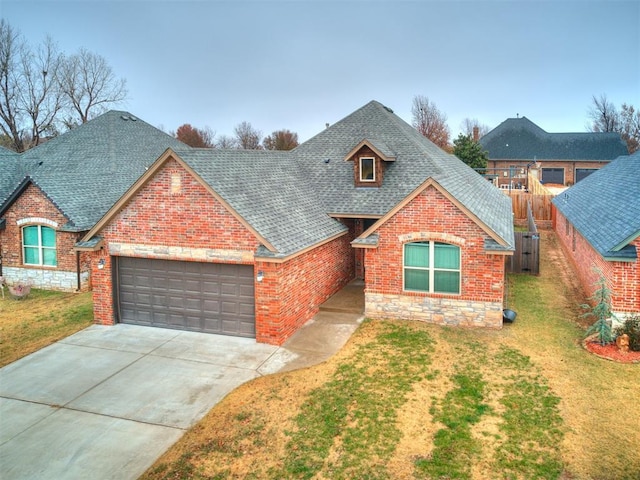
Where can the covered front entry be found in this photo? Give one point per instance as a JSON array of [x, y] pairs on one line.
[[202, 297]]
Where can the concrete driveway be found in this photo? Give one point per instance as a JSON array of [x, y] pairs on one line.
[[108, 401]]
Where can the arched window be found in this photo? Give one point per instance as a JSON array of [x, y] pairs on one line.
[[432, 267], [39, 245]]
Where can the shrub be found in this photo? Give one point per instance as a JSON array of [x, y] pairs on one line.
[[631, 327], [601, 310]]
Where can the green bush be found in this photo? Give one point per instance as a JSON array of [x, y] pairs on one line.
[[631, 327]]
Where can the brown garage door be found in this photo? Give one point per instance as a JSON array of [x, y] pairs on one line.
[[201, 297]]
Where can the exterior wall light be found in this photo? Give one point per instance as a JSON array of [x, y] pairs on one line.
[[260, 276], [101, 263]]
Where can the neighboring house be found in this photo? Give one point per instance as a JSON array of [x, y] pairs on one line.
[[518, 146], [54, 193], [598, 224], [250, 243]]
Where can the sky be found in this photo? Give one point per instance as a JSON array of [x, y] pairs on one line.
[[302, 64]]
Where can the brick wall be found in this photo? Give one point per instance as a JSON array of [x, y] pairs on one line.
[[292, 292], [33, 208], [431, 216], [172, 210], [500, 166], [188, 223], [623, 278]]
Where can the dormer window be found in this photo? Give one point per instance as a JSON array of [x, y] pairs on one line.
[[370, 160], [367, 169]]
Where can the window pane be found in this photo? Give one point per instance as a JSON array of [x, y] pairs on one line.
[[48, 237], [49, 255], [416, 254], [366, 169], [416, 279], [30, 235], [447, 256], [31, 256], [446, 282]]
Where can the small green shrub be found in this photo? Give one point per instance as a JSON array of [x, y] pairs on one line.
[[631, 327], [601, 310]]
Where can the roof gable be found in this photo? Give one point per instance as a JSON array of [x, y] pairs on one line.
[[416, 160], [520, 138], [605, 207], [380, 148], [430, 182], [257, 188]]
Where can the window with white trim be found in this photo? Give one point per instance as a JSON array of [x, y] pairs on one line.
[[39, 245], [367, 169], [431, 267]]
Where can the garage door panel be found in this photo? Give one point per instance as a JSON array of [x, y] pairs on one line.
[[582, 173], [553, 175], [206, 297]]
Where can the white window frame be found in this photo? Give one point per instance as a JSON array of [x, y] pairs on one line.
[[40, 247], [432, 269], [373, 163]]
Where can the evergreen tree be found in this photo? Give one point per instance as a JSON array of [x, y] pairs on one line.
[[470, 152], [602, 311]]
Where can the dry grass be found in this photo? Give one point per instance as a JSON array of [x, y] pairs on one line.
[[248, 435], [39, 320]]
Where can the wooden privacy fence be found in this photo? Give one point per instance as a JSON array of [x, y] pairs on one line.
[[540, 205], [526, 258]]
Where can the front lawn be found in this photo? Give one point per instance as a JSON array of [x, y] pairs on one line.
[[39, 320], [408, 400]]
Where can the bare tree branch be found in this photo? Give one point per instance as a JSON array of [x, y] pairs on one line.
[[247, 137], [90, 84], [29, 96], [281, 140], [603, 114], [430, 121]]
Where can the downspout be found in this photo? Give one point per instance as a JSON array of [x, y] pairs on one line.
[[78, 269]]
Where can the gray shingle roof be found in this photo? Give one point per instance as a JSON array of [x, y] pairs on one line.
[[287, 197], [520, 138], [270, 192], [605, 207], [416, 160], [86, 170], [12, 173]]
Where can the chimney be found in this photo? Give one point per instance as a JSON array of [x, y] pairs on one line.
[[476, 134]]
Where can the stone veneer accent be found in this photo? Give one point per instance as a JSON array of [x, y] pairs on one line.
[[46, 279], [192, 254], [440, 311]]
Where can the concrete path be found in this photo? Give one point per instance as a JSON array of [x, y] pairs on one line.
[[106, 402]]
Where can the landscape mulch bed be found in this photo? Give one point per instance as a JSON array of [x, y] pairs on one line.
[[611, 352]]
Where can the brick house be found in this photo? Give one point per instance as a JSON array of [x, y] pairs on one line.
[[250, 243], [598, 224], [51, 195], [518, 146]]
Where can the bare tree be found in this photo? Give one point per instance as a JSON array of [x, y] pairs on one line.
[[468, 126], [196, 137], [90, 85], [42, 98], [630, 127], [29, 95], [603, 115], [247, 137], [281, 140], [11, 44], [430, 121], [226, 142]]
